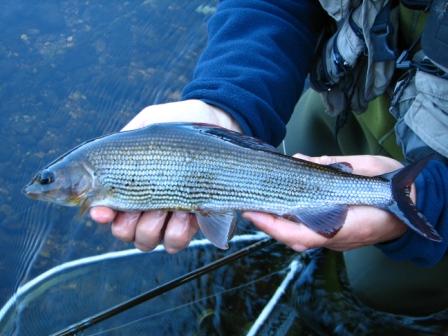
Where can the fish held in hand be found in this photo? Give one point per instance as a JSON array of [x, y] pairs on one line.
[[215, 173]]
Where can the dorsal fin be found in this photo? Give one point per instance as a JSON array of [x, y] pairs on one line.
[[222, 133], [225, 134]]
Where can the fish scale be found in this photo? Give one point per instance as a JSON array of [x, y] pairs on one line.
[[214, 172], [172, 170]]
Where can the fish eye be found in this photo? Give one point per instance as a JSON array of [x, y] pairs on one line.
[[45, 177]]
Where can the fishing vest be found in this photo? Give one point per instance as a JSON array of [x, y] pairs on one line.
[[387, 64]]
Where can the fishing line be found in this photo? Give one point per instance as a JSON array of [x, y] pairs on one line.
[[169, 310], [106, 314], [33, 239]]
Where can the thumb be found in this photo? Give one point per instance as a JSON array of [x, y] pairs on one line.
[[367, 165]]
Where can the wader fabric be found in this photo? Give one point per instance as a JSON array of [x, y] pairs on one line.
[[313, 132], [384, 284]]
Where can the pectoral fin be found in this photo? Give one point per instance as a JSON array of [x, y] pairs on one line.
[[84, 206], [326, 221], [217, 227]]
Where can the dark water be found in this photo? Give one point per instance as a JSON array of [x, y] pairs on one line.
[[73, 70], [70, 71]]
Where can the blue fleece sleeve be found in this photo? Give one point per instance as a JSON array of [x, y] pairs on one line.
[[257, 57], [432, 201]]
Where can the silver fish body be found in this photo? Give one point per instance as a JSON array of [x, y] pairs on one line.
[[211, 172]]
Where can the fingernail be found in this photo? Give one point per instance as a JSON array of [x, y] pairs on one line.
[[181, 215], [158, 213], [143, 247], [171, 250], [101, 215]]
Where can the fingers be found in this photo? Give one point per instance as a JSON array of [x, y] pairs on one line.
[[295, 235], [322, 160], [179, 231], [149, 230], [137, 122], [123, 227], [368, 165], [176, 231], [364, 225], [102, 215]]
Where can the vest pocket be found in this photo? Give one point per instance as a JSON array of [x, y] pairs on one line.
[[428, 114], [420, 105]]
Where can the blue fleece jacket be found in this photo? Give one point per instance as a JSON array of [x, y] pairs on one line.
[[254, 66]]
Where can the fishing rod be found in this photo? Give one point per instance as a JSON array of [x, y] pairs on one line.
[[159, 290]]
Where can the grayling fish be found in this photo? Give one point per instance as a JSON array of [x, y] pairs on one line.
[[213, 173]]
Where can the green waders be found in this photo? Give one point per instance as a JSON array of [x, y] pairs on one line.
[[384, 284]]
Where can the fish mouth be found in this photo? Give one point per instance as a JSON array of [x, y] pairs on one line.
[[30, 192], [37, 192]]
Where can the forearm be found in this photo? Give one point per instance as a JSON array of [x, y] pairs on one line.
[[432, 202], [255, 63]]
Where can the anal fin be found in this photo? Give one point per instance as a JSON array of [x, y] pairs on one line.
[[326, 221]]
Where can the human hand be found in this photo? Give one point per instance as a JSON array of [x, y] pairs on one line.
[[147, 229], [364, 225]]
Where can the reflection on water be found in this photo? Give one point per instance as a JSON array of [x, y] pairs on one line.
[[72, 70]]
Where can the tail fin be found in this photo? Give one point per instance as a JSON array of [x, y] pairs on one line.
[[402, 205]]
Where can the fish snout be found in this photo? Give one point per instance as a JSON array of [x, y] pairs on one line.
[[31, 191]]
